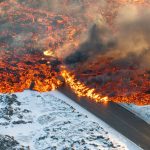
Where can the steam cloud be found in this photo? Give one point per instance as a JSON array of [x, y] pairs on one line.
[[129, 45], [99, 42]]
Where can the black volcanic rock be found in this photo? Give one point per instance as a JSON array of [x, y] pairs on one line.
[[7, 142]]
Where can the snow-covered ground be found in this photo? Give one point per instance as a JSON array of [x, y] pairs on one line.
[[51, 121], [141, 111]]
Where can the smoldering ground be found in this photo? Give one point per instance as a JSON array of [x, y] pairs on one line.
[[129, 45], [85, 10]]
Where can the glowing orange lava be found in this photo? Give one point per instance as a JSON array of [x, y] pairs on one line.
[[33, 41]]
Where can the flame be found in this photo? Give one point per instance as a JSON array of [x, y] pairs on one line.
[[49, 53], [81, 89]]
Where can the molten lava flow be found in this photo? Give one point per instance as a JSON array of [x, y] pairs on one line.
[[30, 39], [81, 89], [132, 93], [128, 84], [33, 41], [18, 73]]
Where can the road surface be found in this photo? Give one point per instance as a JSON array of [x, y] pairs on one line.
[[117, 117]]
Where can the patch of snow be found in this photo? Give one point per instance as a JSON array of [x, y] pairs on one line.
[[113, 133], [45, 121], [141, 111]]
